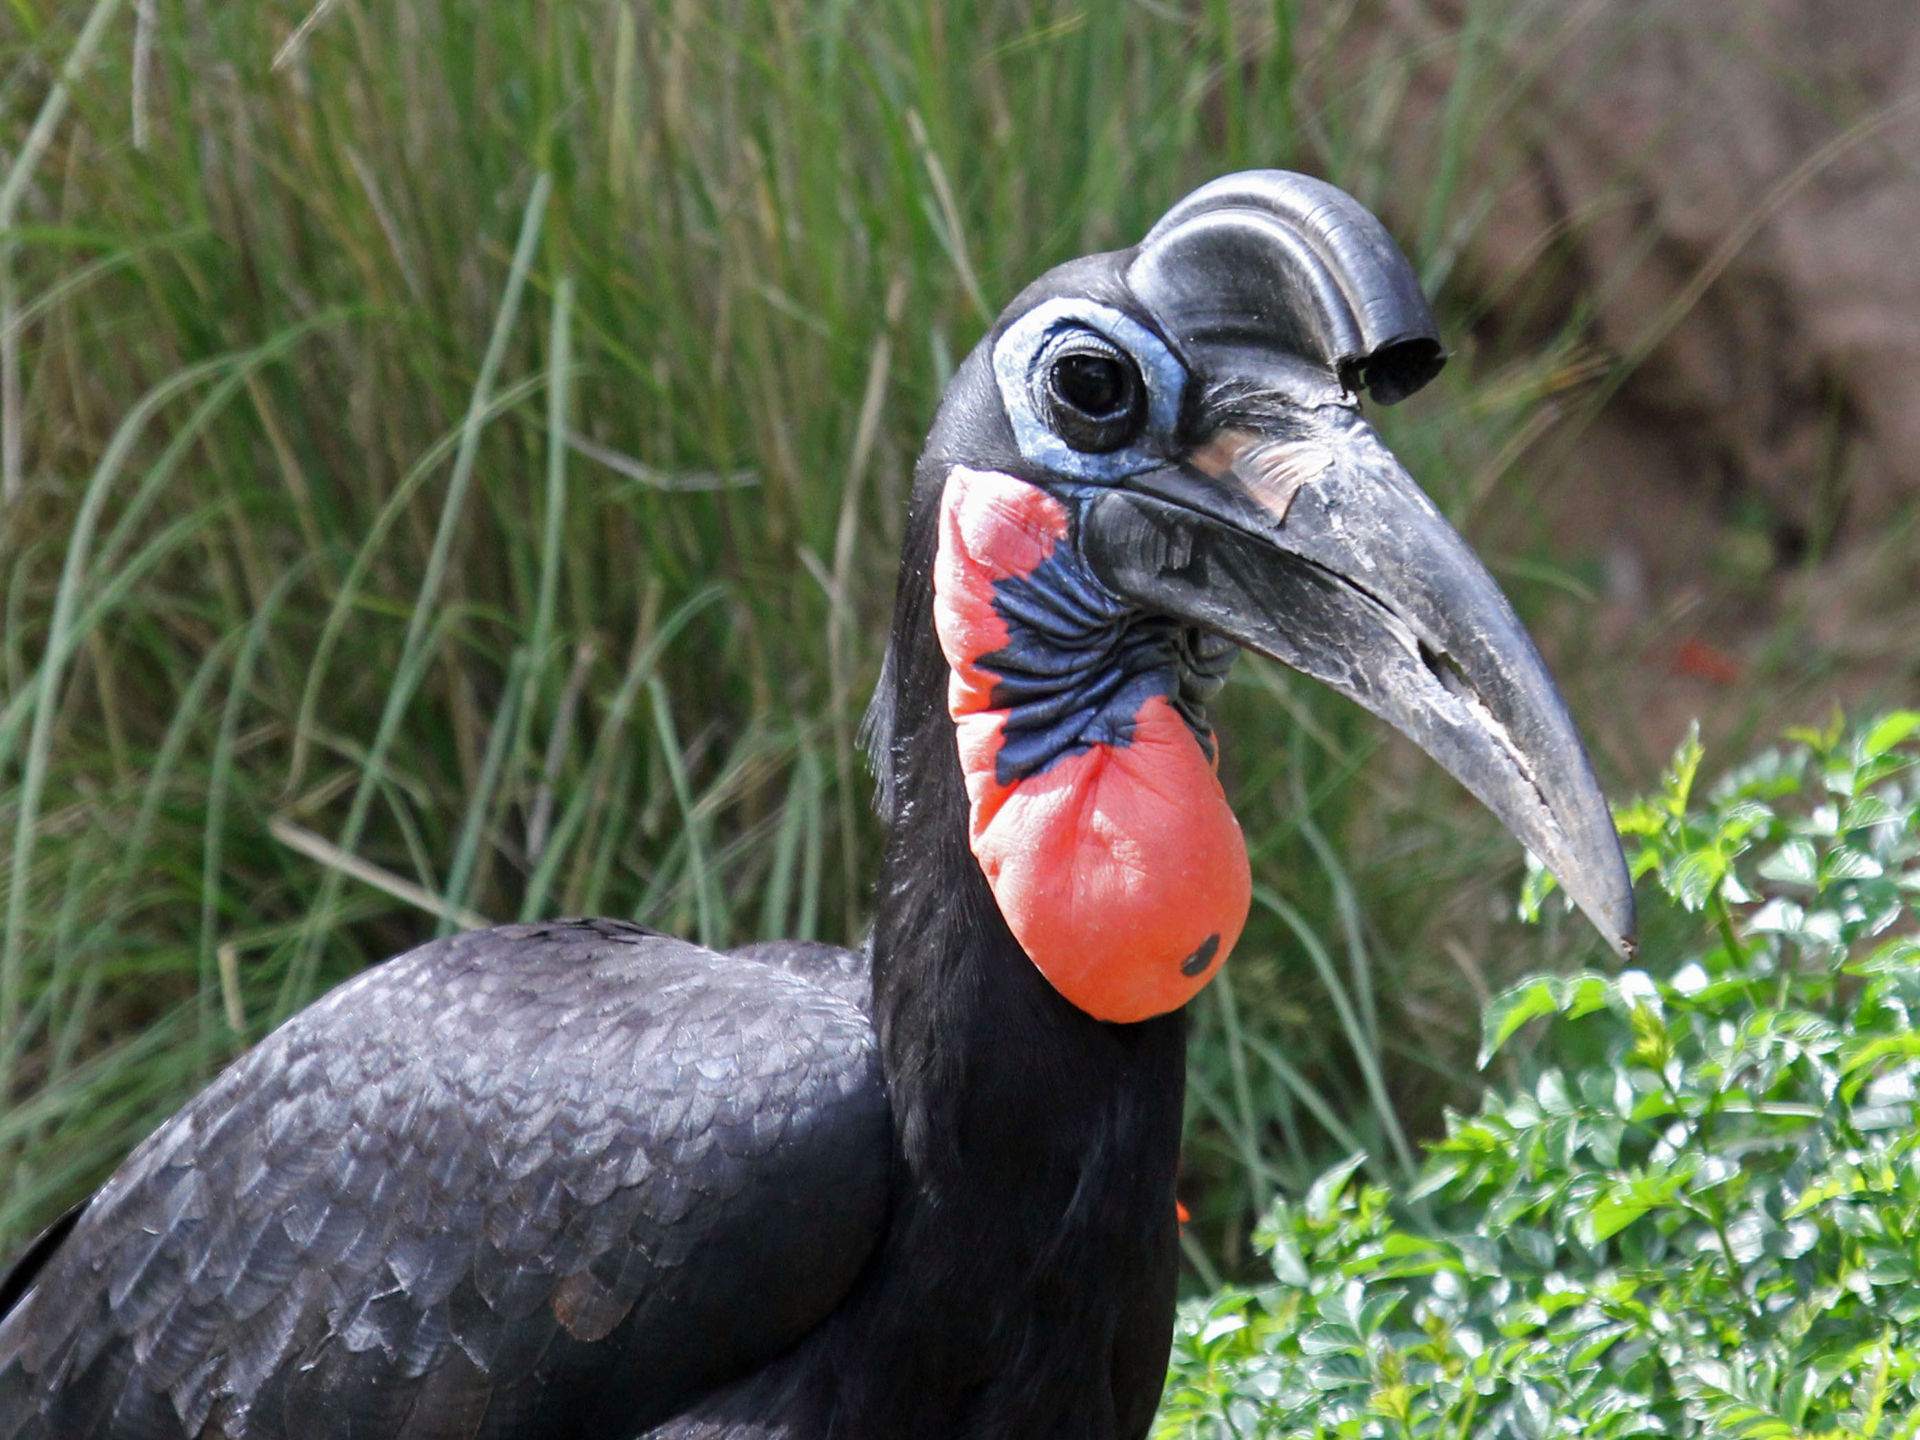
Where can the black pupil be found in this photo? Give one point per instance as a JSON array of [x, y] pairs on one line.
[[1095, 385]]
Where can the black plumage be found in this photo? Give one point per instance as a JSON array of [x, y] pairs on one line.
[[576, 1165], [582, 1180]]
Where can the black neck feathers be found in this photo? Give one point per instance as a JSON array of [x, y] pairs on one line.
[[1029, 1268]]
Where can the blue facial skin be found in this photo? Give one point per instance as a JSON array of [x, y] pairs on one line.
[[1025, 341], [1079, 663]]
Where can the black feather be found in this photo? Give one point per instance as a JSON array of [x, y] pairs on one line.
[[441, 1201]]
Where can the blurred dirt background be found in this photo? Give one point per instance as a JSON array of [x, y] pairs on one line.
[[1726, 197]]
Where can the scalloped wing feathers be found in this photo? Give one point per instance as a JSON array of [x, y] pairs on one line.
[[574, 1169]]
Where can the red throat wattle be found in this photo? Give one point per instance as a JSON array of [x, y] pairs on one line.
[[1119, 867]]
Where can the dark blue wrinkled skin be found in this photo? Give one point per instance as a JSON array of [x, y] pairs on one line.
[[1079, 663]]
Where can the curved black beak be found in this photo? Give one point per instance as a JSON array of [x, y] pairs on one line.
[[1303, 538]]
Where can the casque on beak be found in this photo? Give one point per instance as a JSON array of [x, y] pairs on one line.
[[1289, 528]]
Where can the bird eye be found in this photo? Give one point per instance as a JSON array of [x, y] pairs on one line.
[[1091, 393]]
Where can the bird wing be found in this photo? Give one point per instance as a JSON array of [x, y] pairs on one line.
[[535, 1179], [847, 973], [25, 1269]]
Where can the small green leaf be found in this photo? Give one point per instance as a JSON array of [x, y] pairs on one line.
[[1639, 818], [1289, 1266], [1865, 1050], [1846, 863], [1741, 818], [1694, 878], [1437, 1176], [1596, 1343], [1888, 731], [1678, 781], [1794, 863], [1865, 810], [1534, 889], [1897, 956], [1612, 1215], [1326, 1190], [1633, 990], [1511, 1009], [1222, 1325]]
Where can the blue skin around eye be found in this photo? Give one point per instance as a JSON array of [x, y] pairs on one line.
[[1077, 666], [1019, 350], [1079, 662]]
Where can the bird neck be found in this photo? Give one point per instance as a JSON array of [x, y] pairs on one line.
[[1035, 1146], [979, 1049]]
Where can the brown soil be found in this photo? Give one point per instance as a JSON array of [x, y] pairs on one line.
[[1723, 200]]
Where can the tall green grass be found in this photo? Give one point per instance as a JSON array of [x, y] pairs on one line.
[[456, 456]]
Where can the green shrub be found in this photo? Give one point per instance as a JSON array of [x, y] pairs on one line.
[[1694, 1208]]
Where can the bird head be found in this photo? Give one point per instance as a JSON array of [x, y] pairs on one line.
[[1155, 458]]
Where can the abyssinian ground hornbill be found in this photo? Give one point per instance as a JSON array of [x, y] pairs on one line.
[[581, 1179]]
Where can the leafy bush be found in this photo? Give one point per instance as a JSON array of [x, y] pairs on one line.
[[1698, 1214]]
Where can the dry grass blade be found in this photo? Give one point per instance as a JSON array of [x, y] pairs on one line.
[[324, 852]]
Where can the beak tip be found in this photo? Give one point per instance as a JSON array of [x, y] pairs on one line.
[[1592, 871], [1612, 913]]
